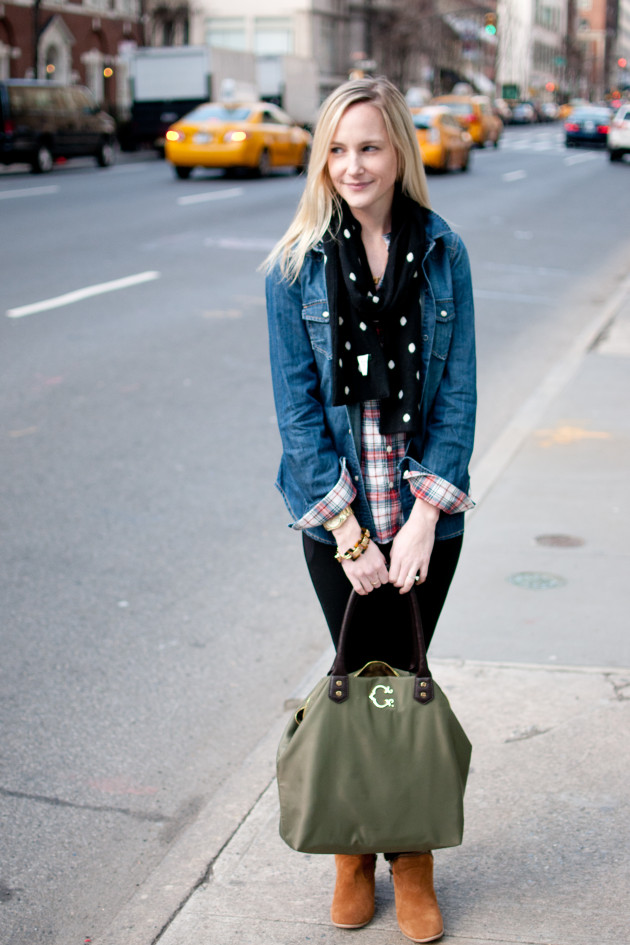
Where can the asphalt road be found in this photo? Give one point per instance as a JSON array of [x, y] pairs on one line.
[[155, 610]]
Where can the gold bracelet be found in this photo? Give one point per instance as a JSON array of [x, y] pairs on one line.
[[353, 553], [339, 519]]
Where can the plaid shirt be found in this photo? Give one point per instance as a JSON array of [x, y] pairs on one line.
[[380, 457]]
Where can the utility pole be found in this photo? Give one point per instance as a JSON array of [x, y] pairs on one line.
[[612, 25], [369, 38], [36, 38]]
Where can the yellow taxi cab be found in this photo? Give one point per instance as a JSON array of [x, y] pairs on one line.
[[444, 145], [476, 115], [256, 136]]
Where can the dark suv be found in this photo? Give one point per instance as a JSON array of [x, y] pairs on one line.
[[42, 121]]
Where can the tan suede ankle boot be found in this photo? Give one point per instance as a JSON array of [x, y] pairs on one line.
[[353, 901], [417, 909]]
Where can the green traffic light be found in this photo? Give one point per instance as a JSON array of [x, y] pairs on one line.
[[491, 30]]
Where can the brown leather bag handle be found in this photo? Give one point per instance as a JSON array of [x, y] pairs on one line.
[[338, 689]]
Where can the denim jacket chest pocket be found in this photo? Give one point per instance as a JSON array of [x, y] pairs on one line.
[[444, 319], [316, 318]]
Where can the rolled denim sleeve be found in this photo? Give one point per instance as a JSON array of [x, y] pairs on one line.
[[310, 464], [332, 504], [439, 492]]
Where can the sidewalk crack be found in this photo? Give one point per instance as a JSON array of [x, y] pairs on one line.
[[621, 688]]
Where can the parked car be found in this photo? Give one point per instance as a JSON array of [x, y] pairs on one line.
[[619, 134], [43, 121], [523, 113], [502, 109], [476, 115], [444, 145], [549, 111], [587, 125], [257, 136]]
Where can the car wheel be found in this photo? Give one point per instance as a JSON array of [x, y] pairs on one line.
[[264, 163], [183, 173], [615, 155], [43, 160], [105, 155]]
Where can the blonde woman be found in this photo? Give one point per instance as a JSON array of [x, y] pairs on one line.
[[372, 350]]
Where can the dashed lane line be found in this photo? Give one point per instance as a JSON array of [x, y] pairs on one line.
[[580, 158], [210, 195], [79, 294], [29, 192], [514, 175]]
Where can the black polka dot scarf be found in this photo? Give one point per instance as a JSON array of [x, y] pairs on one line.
[[376, 331]]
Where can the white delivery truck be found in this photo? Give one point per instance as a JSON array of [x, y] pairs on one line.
[[167, 82]]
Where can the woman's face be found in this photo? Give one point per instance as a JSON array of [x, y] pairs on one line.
[[362, 161]]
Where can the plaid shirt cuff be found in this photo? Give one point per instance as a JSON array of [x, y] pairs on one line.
[[332, 504], [438, 492]]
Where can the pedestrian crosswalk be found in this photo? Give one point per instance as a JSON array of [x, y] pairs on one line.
[[547, 139]]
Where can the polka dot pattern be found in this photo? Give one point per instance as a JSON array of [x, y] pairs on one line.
[[377, 341]]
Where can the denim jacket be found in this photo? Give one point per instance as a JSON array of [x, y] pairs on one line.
[[320, 440]]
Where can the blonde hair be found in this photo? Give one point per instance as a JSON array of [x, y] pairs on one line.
[[319, 200]]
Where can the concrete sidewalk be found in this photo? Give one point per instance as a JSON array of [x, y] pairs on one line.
[[546, 854]]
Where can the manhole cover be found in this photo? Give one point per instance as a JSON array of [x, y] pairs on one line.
[[536, 580], [559, 541]]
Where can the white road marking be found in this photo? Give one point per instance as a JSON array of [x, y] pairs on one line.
[[229, 242], [514, 175], [579, 158], [29, 192], [210, 195], [79, 294]]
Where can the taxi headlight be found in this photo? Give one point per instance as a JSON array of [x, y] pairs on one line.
[[235, 136], [172, 135]]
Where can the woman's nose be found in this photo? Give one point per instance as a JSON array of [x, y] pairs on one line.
[[355, 164]]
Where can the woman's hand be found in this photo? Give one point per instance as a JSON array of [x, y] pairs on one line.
[[369, 570], [412, 547]]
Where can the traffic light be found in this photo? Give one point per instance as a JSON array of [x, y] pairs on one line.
[[490, 24], [622, 63]]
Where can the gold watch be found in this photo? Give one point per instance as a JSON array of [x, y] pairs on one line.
[[338, 520]]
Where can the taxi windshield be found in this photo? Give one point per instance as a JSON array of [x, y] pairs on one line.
[[219, 113]]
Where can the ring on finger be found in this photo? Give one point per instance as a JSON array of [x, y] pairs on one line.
[[416, 580]]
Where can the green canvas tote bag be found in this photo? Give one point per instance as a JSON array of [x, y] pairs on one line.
[[375, 761]]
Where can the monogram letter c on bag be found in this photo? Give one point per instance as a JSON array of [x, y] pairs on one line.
[[388, 703]]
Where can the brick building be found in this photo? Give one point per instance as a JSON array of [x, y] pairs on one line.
[[71, 41]]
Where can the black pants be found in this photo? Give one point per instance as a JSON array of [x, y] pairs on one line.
[[382, 623]]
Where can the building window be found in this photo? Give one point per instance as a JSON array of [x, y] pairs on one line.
[[226, 32], [273, 36]]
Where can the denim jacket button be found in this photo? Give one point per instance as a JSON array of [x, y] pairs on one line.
[[326, 314]]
